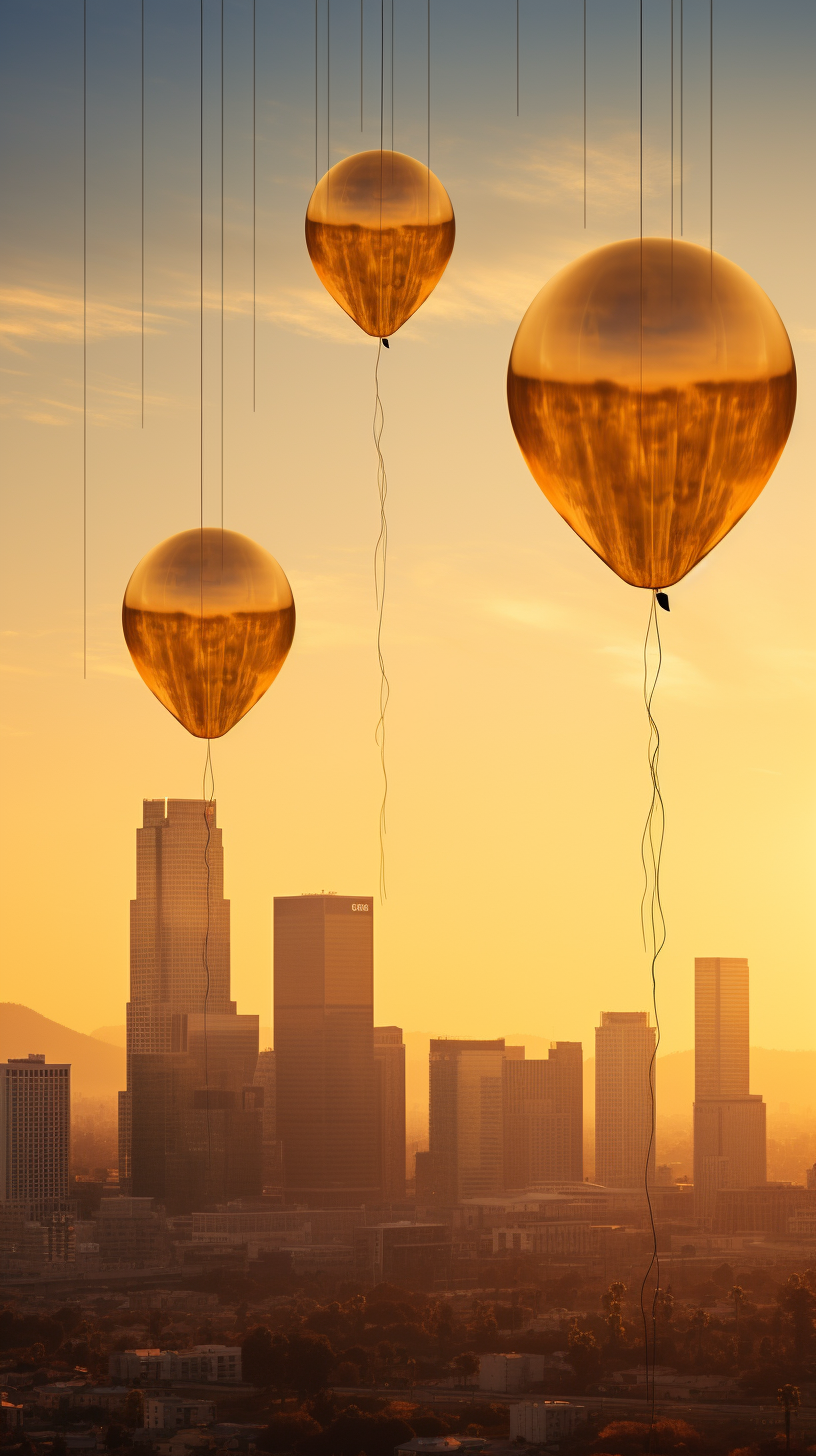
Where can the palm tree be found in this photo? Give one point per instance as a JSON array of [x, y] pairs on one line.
[[788, 1396]]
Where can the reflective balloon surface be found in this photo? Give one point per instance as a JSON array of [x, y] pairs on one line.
[[209, 618], [380, 231], [652, 401]]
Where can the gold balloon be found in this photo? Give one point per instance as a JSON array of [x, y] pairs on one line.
[[208, 618], [380, 231], [651, 389]]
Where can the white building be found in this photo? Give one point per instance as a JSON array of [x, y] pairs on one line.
[[35, 1133], [507, 1373], [545, 1420], [167, 1414], [217, 1364]]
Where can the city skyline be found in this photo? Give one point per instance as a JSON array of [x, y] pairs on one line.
[[518, 778]]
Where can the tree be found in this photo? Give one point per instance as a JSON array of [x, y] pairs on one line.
[[700, 1322], [466, 1364], [353, 1432], [133, 1414], [284, 1430], [611, 1302], [309, 1359], [584, 1355], [264, 1358], [788, 1396], [797, 1300]]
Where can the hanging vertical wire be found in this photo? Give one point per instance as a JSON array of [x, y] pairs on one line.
[[221, 350], [84, 339], [315, 91], [254, 214], [429, 111], [361, 65], [392, 75], [711, 142], [143, 215], [584, 113], [518, 77], [671, 145], [208, 760], [328, 85], [682, 30], [651, 856], [208, 802], [381, 547]]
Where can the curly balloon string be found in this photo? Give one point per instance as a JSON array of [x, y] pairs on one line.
[[653, 929], [380, 562], [208, 802]]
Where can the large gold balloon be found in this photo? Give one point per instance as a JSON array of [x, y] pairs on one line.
[[209, 618], [380, 231], [651, 388]]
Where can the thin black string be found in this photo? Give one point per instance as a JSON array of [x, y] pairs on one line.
[[518, 83], [653, 833], [392, 75], [316, 2], [208, 801], [361, 65], [143, 214], [222, 287], [671, 123], [380, 563], [681, 117], [711, 140], [328, 85], [254, 214], [84, 338], [429, 113], [201, 306], [584, 113]]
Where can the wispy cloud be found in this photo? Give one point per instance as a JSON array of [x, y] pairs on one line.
[[540, 616], [29, 315], [555, 172], [679, 678]]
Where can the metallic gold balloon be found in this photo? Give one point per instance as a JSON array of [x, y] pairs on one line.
[[652, 400], [208, 618], [380, 231]]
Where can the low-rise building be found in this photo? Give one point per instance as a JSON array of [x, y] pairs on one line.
[[11, 1415], [547, 1420], [506, 1373], [394, 1253], [219, 1364], [168, 1414], [65, 1395]]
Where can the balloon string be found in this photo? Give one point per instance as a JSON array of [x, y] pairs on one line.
[[380, 561], [651, 852], [208, 800]]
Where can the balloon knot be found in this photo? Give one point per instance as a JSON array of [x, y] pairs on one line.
[[386, 344], [663, 601]]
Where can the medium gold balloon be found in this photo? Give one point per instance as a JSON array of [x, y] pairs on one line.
[[652, 389], [380, 231], [208, 618]]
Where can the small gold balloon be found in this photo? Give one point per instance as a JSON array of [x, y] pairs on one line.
[[380, 230], [208, 617], [651, 388]]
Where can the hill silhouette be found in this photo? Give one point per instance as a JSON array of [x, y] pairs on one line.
[[97, 1069]]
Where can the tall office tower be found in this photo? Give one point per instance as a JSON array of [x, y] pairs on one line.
[[389, 1067], [35, 1136], [265, 1079], [729, 1122], [544, 1118], [190, 1119], [324, 1048], [624, 1047], [466, 1122]]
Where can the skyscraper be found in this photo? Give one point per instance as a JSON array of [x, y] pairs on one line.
[[190, 1119], [466, 1122], [543, 1118], [265, 1077], [624, 1047], [35, 1136], [324, 1048], [729, 1122], [389, 1066]]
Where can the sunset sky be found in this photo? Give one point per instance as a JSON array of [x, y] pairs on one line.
[[516, 729]]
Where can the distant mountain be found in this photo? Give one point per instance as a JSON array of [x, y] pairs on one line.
[[97, 1069], [113, 1035]]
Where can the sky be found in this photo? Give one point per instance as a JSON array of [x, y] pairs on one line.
[[517, 740]]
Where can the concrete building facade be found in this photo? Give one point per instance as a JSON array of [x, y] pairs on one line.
[[624, 1108], [729, 1121]]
